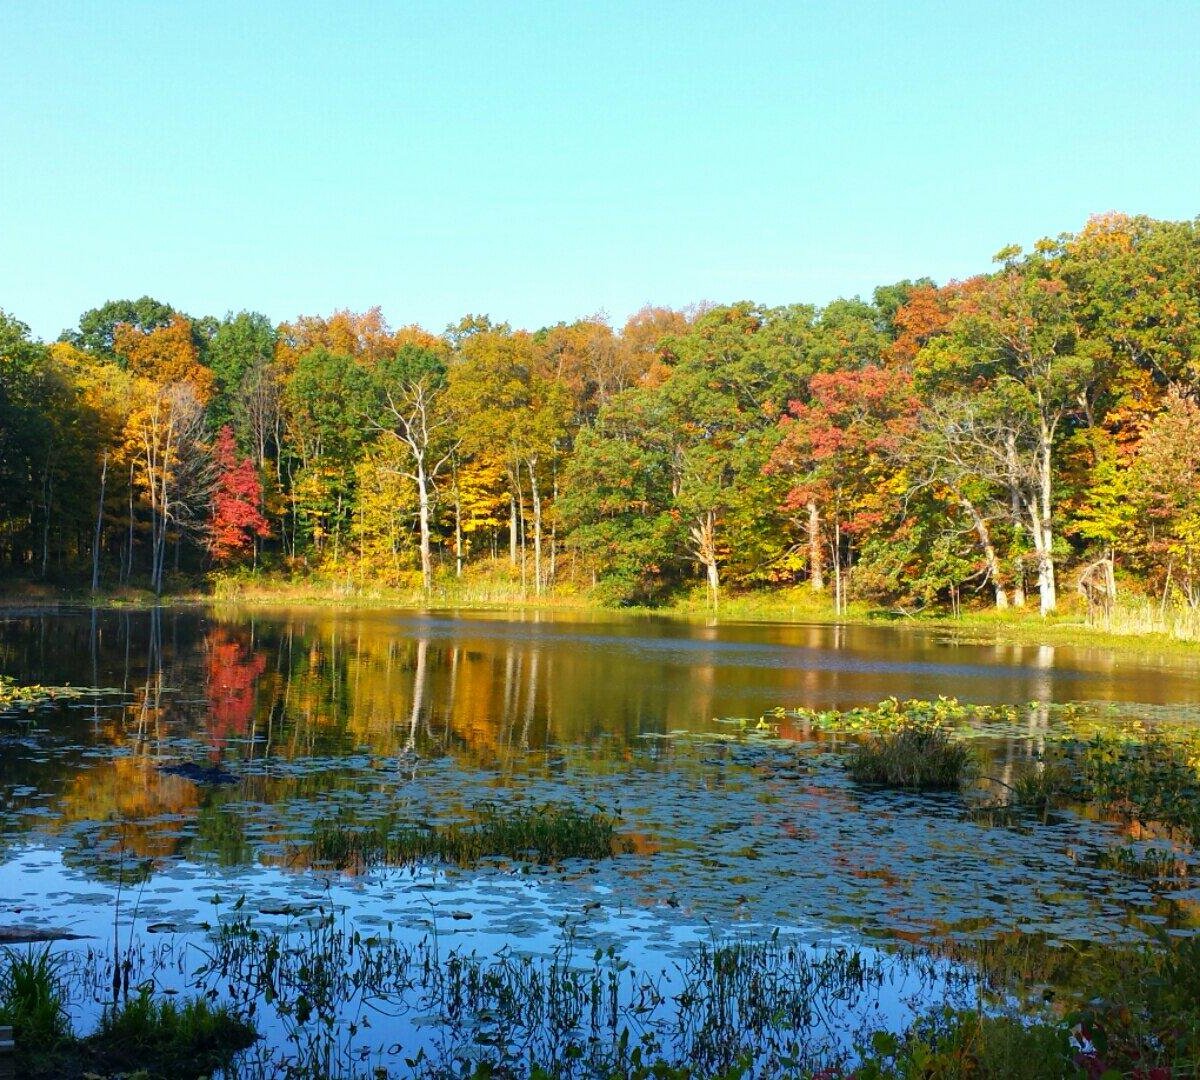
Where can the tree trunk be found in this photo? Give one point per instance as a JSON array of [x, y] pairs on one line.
[[458, 537], [512, 530], [989, 552], [837, 566], [99, 524], [47, 501], [550, 577], [816, 569], [1046, 584], [704, 537], [536, 499], [423, 514]]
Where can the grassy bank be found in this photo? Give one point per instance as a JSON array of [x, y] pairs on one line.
[[1136, 621]]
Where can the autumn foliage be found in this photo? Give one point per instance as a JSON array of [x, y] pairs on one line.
[[237, 517], [981, 440]]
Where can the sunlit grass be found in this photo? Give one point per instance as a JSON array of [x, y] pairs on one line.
[[918, 757], [539, 834]]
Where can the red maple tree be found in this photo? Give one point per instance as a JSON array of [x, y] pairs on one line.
[[237, 502]]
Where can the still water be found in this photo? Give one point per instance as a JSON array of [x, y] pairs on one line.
[[301, 715]]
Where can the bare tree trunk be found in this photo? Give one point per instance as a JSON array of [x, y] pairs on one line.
[[512, 530], [423, 516], [816, 569], [989, 552], [553, 531], [837, 567], [99, 524], [1046, 583], [536, 498], [704, 539], [458, 537], [128, 567], [522, 531]]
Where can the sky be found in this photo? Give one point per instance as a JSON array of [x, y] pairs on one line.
[[547, 161]]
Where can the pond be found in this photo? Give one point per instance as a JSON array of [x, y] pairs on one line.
[[182, 795]]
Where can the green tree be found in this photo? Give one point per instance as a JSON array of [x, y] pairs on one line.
[[239, 343], [98, 325], [327, 403]]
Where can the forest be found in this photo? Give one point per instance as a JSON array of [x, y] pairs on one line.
[[986, 442]]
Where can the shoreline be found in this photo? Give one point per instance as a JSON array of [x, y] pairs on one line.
[[792, 606]]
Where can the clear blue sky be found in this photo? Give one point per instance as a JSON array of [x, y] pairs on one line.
[[543, 161]]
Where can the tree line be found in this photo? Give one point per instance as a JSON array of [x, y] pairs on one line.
[[977, 439]]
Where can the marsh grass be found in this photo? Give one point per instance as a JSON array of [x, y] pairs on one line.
[[33, 999], [144, 1036], [1151, 864], [1042, 786], [918, 756], [163, 1038], [542, 834]]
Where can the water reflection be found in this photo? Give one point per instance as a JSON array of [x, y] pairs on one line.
[[303, 708]]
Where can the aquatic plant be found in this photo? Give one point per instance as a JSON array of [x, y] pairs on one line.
[[1042, 786], [1148, 864], [1151, 781], [918, 755], [961, 1043], [763, 1008], [32, 998], [18, 698], [893, 715], [540, 834], [162, 1038]]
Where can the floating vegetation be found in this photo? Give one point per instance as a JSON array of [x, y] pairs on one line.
[[16, 698], [1152, 781], [893, 715], [921, 755], [541, 834]]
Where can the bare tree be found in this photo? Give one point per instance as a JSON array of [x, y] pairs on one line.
[[176, 471], [414, 417]]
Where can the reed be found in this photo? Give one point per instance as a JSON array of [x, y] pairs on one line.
[[541, 834], [918, 756]]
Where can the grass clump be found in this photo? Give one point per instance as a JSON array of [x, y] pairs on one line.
[[540, 834], [1042, 786], [160, 1038], [918, 756], [32, 999], [150, 1038]]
